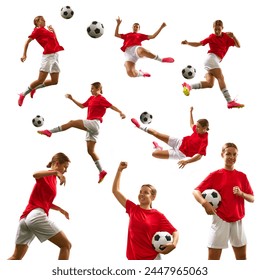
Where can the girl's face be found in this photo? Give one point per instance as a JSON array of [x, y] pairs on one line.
[[230, 156], [218, 29], [145, 197], [61, 167], [95, 91], [200, 129], [136, 28], [41, 22]]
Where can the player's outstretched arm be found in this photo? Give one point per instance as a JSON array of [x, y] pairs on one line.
[[158, 31], [193, 44], [191, 118], [116, 184], [122, 115], [24, 56], [231, 35], [58, 208], [69, 96]]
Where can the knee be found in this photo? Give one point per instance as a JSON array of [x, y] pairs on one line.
[[132, 73]]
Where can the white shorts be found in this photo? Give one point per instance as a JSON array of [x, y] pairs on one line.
[[38, 224], [50, 63], [131, 54], [221, 232], [175, 153], [212, 62], [92, 127]]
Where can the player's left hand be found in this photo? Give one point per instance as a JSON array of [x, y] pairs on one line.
[[182, 163], [230, 34], [168, 248], [237, 191], [122, 115]]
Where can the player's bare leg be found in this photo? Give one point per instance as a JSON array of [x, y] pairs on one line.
[[209, 83], [240, 252], [132, 72], [61, 240], [214, 254], [19, 252], [142, 52], [74, 123], [163, 137], [91, 150]]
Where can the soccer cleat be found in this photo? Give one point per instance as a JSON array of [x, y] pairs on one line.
[[168, 60], [156, 146], [135, 122], [32, 92], [186, 89], [20, 100], [45, 132], [144, 74], [234, 104], [102, 175]]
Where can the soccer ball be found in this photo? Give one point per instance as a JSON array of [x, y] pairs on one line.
[[66, 12], [95, 29], [161, 238], [213, 197], [146, 118], [38, 121], [188, 72]]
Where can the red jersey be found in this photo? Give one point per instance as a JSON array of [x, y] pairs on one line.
[[46, 39], [231, 208], [133, 39], [42, 196], [218, 45], [194, 144], [143, 224], [97, 106]]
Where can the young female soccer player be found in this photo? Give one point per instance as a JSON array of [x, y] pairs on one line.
[[144, 222], [234, 189], [219, 43], [35, 219], [50, 59], [132, 47], [193, 146], [97, 105]]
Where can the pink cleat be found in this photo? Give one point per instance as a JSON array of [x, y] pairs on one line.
[[156, 146], [102, 175], [45, 132], [144, 74], [21, 99], [168, 60], [234, 104], [32, 92], [135, 122], [186, 89]]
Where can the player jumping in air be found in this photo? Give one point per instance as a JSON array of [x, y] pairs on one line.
[[219, 43], [50, 59], [132, 47], [193, 146], [97, 105]]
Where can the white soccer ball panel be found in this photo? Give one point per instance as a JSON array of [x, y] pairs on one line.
[[95, 29], [38, 121], [161, 238], [213, 197], [189, 72], [146, 118], [66, 12]]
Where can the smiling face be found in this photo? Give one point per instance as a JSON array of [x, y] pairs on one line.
[[146, 196], [200, 129], [95, 90], [61, 167], [229, 155], [218, 27]]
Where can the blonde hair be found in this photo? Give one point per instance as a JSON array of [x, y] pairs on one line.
[[60, 158]]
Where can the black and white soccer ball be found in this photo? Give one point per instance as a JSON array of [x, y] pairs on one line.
[[66, 12], [38, 121], [188, 72], [95, 29], [213, 197], [146, 118], [159, 240]]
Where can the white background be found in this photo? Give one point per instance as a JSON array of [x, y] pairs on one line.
[[97, 227]]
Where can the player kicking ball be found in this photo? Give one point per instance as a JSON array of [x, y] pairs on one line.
[[132, 47], [186, 150]]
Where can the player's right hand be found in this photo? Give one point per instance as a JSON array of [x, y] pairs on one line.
[[23, 58], [210, 210]]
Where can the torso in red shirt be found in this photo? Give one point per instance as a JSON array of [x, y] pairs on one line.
[[218, 45], [231, 208], [46, 39], [133, 39], [42, 196], [194, 144], [97, 106], [143, 224]]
